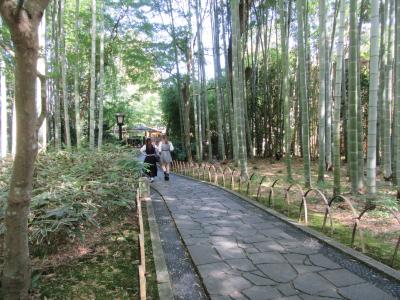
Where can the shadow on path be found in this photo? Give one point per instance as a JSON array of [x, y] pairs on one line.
[[185, 282]]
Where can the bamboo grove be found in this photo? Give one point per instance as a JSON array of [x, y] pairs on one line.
[[312, 79], [317, 80], [60, 61]]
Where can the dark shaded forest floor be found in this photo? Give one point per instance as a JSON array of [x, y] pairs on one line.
[[103, 265]]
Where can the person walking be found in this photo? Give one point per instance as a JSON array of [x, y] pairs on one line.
[[150, 153], [165, 149]]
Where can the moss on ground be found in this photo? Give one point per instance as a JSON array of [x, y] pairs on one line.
[[108, 272]]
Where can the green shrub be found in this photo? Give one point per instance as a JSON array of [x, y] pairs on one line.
[[73, 190]]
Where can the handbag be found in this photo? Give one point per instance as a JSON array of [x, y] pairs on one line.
[[156, 155]]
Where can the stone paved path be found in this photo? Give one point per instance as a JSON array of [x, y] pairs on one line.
[[185, 282], [242, 252]]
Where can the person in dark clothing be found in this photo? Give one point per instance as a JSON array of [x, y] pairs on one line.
[[151, 158]]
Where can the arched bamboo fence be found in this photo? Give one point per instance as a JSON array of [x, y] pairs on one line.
[[221, 176]]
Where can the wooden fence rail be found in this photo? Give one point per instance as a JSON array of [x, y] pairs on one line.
[[140, 193]]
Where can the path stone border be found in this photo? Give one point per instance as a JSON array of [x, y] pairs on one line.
[[142, 266], [374, 264], [197, 287], [163, 280]]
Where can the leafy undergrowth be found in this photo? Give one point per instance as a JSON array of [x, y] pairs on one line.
[[74, 190], [83, 233]]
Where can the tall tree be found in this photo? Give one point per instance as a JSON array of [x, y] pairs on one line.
[[92, 104], [284, 23], [63, 62], [382, 61], [23, 22], [201, 81], [218, 78], [183, 103], [397, 103], [267, 97], [56, 85], [353, 100], [203, 105], [360, 116], [76, 79], [338, 101], [303, 94], [373, 99], [328, 88], [198, 144], [101, 76], [387, 99], [237, 84], [322, 92], [229, 97]]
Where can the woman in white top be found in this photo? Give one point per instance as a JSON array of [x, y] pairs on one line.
[[165, 149]]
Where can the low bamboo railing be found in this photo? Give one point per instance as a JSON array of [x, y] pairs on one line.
[[141, 243], [221, 176]]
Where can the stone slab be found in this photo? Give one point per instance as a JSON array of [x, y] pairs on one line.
[[341, 277]]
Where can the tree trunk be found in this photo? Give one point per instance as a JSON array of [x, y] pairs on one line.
[[101, 76], [266, 98], [56, 66], [218, 79], [397, 100], [382, 61], [193, 88], [373, 99], [303, 95], [338, 102], [322, 92], [76, 79], [63, 58], [183, 104], [24, 34], [353, 100], [360, 115], [186, 107], [200, 114], [229, 88], [237, 84], [285, 85], [203, 106], [328, 89], [387, 100], [92, 79]]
